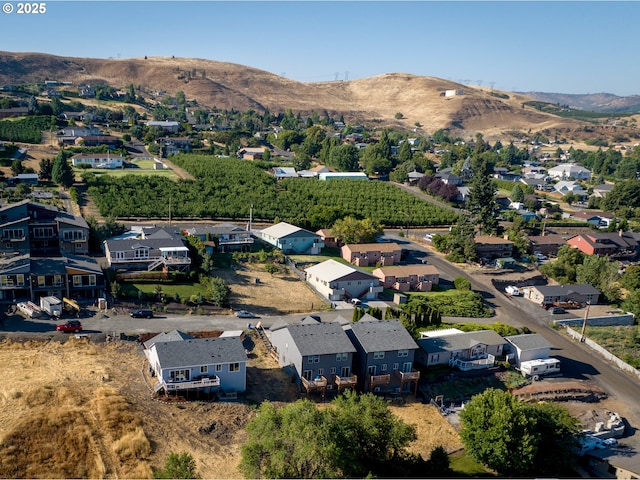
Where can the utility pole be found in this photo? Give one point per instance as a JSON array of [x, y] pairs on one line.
[[584, 322]]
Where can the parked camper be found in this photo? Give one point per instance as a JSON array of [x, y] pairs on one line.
[[29, 309], [51, 305], [512, 290], [540, 367]]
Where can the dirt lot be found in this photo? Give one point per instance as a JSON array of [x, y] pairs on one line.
[[80, 409]]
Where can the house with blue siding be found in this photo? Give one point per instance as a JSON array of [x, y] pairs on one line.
[[292, 239], [385, 355], [182, 363], [320, 354]]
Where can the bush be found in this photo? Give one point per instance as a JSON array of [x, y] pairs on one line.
[[462, 283]]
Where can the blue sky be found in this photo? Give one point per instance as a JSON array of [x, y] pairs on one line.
[[565, 47]]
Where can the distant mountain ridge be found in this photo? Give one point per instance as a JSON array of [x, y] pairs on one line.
[[392, 100], [591, 102]]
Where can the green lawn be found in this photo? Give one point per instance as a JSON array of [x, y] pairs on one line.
[[464, 466], [185, 290]]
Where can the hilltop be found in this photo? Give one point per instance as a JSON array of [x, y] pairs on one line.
[[223, 85]]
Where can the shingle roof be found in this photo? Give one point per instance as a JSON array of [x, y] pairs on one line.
[[460, 341], [400, 270], [373, 247], [172, 336], [383, 336], [320, 338], [560, 290], [200, 351], [331, 271], [528, 341], [283, 229]]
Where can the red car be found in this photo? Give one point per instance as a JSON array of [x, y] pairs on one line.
[[72, 326]]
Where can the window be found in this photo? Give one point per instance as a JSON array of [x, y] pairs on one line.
[[43, 232], [141, 253], [396, 366], [41, 281], [92, 280], [378, 355], [403, 353], [204, 369], [20, 279], [218, 367], [321, 371], [307, 374], [120, 255], [179, 375], [13, 233], [333, 370], [4, 281], [383, 367], [234, 367], [57, 280], [77, 280], [345, 372], [341, 357], [314, 358]]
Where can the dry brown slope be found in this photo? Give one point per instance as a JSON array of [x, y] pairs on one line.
[[229, 85]]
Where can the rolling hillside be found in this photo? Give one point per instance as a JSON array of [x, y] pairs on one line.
[[228, 85]]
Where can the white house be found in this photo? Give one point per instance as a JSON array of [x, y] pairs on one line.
[[569, 170], [568, 186], [292, 239], [98, 160], [337, 281], [167, 126], [453, 93], [348, 175]]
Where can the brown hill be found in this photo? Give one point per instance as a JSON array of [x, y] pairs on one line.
[[228, 85]]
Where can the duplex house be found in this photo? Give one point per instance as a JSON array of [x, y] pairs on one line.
[[546, 244], [292, 239], [320, 354], [224, 237], [337, 281], [153, 249], [490, 247], [465, 350], [367, 254], [403, 278], [385, 355], [547, 294], [182, 363], [626, 244]]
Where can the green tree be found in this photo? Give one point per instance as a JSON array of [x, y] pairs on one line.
[[351, 230], [17, 168], [218, 291], [564, 268], [515, 438], [405, 154], [517, 194], [176, 465], [602, 274], [630, 279], [462, 283], [632, 302], [61, 172], [481, 201], [45, 165]]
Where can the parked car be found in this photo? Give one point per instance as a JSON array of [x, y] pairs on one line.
[[141, 313], [356, 301], [541, 256], [72, 326], [557, 310], [245, 314]]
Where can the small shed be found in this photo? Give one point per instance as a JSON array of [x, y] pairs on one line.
[[506, 262]]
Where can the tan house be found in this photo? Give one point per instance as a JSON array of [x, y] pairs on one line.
[[493, 247], [408, 277], [329, 239], [546, 244], [369, 254], [547, 294], [251, 153]]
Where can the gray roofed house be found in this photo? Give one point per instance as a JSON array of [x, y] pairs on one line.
[[207, 365], [320, 354], [527, 346], [547, 294], [385, 354], [172, 336], [465, 350], [222, 237]]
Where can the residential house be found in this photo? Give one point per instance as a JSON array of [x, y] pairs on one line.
[[284, 172], [546, 244], [586, 216], [405, 278], [621, 244], [489, 247], [251, 153], [368, 254], [152, 249], [385, 355], [566, 171], [26, 178], [464, 350], [320, 354], [337, 281], [527, 347], [329, 240], [211, 366], [77, 277], [414, 177], [292, 239], [448, 177], [224, 237], [97, 140], [174, 145], [165, 125], [98, 160], [601, 191], [565, 187], [13, 112], [342, 175], [547, 294]]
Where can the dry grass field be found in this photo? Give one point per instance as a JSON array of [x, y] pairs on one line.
[[80, 409]]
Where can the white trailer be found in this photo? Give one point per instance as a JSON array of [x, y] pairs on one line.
[[539, 367], [51, 305]]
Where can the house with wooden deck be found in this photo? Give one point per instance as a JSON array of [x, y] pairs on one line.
[[463, 350], [319, 354], [490, 247], [208, 366], [385, 355], [223, 237]]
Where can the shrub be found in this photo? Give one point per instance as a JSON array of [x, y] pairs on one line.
[[462, 283]]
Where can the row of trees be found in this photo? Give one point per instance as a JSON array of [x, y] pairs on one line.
[[26, 130]]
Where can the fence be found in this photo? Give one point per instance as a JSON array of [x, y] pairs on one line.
[[604, 352]]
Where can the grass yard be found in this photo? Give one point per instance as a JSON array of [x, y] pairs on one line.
[[622, 341], [464, 466], [184, 290], [142, 167], [453, 303]]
